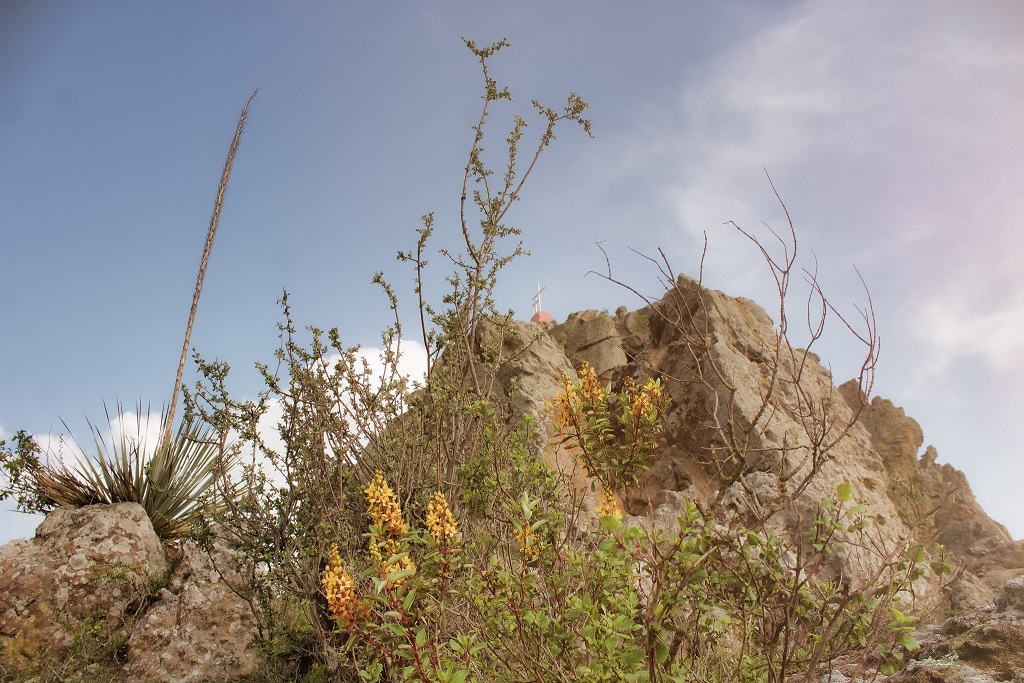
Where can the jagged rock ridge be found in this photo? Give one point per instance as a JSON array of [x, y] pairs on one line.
[[910, 495]]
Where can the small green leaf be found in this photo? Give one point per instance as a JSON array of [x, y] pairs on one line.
[[395, 577], [610, 523], [844, 492]]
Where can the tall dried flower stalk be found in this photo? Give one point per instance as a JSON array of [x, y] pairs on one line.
[[207, 248]]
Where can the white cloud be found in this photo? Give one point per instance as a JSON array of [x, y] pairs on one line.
[[961, 321], [876, 111], [412, 365]]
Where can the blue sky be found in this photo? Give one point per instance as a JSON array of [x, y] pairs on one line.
[[891, 131]]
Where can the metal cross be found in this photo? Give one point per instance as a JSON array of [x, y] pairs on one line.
[[536, 298]]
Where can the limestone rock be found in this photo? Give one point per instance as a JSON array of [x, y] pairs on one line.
[[103, 566], [87, 566], [593, 337], [716, 354], [980, 646], [199, 629], [937, 501], [532, 367]]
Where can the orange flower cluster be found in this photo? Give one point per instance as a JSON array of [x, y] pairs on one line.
[[440, 522], [641, 400], [590, 387], [342, 596], [529, 544], [575, 397], [386, 515], [384, 509]]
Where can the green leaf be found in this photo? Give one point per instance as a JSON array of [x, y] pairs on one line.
[[844, 492], [610, 523], [395, 577], [410, 596]]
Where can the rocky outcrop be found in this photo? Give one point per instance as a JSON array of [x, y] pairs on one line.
[[936, 500], [198, 629], [749, 420], [91, 566], [718, 355], [102, 570], [977, 646], [592, 337], [980, 646]]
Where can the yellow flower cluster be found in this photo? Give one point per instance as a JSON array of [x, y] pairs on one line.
[[609, 505], [590, 387], [565, 403], [342, 596], [390, 547], [642, 400], [440, 522], [529, 544], [574, 396], [384, 509], [386, 515]]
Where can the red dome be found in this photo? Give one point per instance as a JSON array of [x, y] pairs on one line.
[[542, 317]]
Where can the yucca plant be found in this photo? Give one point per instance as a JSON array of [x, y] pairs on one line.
[[172, 484]]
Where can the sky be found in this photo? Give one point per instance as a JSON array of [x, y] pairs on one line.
[[891, 132]]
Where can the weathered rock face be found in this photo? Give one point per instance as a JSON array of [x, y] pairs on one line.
[[198, 629], [592, 337], [937, 500], [92, 565], [104, 566], [717, 354], [975, 646], [980, 646]]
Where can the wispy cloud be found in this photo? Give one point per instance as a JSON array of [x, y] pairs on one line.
[[412, 366], [899, 126], [963, 321]]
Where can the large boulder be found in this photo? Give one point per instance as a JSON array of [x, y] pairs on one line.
[[198, 629], [101, 571], [593, 337], [85, 567]]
